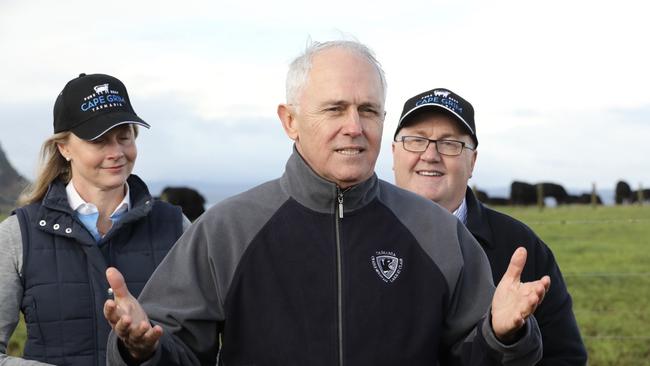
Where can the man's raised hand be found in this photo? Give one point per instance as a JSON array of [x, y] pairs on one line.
[[514, 301], [129, 320]]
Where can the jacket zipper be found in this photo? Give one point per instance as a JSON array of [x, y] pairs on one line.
[[339, 217]]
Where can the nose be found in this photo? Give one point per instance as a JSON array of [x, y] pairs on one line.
[[115, 150], [352, 123], [431, 154]]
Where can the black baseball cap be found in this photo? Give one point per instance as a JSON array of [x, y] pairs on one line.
[[90, 105], [440, 99]]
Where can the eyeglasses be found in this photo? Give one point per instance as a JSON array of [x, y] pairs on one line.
[[444, 147]]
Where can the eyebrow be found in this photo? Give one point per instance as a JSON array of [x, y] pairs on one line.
[[422, 132], [345, 103]]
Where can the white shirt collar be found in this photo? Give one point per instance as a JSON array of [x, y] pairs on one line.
[[461, 212], [84, 208]]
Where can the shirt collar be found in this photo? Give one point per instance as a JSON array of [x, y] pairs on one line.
[[461, 212], [84, 208]]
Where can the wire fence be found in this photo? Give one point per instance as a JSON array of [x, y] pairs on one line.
[[607, 274]]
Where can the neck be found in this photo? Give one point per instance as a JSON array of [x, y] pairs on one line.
[[106, 200]]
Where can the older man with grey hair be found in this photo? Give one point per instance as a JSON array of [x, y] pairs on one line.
[[327, 265]]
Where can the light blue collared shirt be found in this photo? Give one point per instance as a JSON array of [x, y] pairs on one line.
[[88, 212], [461, 212]]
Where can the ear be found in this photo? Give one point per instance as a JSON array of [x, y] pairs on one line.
[[289, 121], [64, 151]]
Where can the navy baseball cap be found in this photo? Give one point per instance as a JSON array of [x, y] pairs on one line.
[[91, 105], [440, 99]]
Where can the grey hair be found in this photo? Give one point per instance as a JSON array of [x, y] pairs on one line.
[[301, 66]]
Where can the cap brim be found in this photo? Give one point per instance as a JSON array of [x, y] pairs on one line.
[[423, 107], [97, 126]]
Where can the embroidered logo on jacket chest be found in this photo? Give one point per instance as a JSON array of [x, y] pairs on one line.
[[387, 265]]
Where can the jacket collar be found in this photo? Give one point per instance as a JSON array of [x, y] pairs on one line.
[[55, 215], [477, 219], [316, 193]]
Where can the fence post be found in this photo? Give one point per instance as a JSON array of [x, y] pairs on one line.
[[594, 201], [640, 195], [540, 196]]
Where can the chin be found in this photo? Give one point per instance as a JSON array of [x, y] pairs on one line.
[[428, 194]]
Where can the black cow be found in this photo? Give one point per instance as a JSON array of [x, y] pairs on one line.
[[491, 201], [623, 193], [584, 199], [498, 201], [556, 191], [190, 200], [523, 193], [644, 196], [481, 195]]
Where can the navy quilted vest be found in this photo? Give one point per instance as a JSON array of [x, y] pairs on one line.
[[64, 271]]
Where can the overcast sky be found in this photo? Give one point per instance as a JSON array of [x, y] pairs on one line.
[[560, 88]]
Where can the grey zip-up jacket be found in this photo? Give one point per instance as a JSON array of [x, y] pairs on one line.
[[298, 272]]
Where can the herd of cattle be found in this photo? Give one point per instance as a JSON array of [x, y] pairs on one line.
[[521, 194]]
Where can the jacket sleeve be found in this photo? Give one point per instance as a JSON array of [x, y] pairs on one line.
[[563, 344], [469, 334], [11, 288], [183, 296]]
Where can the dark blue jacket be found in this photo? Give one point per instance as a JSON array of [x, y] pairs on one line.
[[64, 270], [500, 235], [297, 271]]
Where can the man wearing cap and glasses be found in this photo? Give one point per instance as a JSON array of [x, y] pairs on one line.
[[434, 153]]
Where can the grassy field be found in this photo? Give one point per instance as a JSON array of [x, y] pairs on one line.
[[605, 259], [604, 254]]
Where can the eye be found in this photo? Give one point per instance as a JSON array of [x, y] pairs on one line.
[[368, 111], [447, 142], [334, 109]]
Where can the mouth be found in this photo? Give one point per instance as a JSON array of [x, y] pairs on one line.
[[429, 173], [350, 151], [118, 167]]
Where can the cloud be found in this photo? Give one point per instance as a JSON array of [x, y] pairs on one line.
[[559, 88]]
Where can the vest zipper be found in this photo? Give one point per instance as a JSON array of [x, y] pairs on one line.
[[339, 285]]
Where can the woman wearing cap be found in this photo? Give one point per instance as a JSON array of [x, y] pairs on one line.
[[84, 213]]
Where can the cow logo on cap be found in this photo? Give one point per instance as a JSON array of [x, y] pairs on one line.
[[101, 89], [387, 265], [441, 93]]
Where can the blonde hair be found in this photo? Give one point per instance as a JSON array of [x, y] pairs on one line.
[[52, 165]]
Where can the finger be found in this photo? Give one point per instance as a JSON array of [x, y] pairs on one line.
[[145, 345], [123, 327], [516, 266], [544, 286], [546, 281], [111, 312], [116, 281], [153, 335], [137, 332]]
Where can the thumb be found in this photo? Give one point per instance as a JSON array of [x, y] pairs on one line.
[[116, 281], [516, 266]]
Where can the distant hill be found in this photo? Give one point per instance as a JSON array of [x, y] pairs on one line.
[[11, 184]]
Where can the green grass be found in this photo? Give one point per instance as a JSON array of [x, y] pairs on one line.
[[15, 346], [604, 257], [604, 254]]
